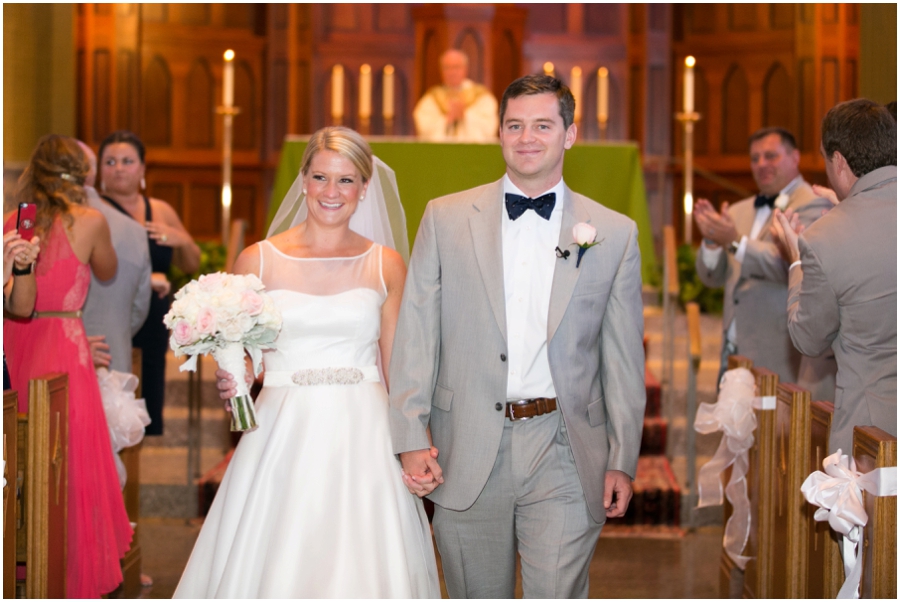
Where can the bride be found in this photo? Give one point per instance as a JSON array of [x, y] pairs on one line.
[[313, 504]]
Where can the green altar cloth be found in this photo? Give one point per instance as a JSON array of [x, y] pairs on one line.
[[608, 173]]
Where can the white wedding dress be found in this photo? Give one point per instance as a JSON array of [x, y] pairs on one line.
[[312, 504]]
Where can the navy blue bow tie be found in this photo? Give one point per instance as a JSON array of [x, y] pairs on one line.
[[516, 205], [764, 201]]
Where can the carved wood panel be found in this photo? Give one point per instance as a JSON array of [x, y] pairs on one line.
[[735, 112], [777, 98]]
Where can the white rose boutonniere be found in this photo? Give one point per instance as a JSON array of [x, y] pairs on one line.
[[781, 201], [585, 237]]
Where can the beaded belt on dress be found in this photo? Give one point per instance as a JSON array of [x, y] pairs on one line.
[[321, 376], [56, 314]]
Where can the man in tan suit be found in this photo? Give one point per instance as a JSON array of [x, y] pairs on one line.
[[739, 253], [843, 279], [524, 357]]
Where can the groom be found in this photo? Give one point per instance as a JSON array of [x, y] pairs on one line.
[[528, 367]]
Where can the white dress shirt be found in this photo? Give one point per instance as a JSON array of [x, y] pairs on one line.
[[529, 258], [711, 256]]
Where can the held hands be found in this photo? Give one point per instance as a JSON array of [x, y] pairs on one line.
[[786, 229], [228, 386], [99, 351], [18, 253], [421, 472], [717, 227], [826, 193], [160, 284], [616, 493]]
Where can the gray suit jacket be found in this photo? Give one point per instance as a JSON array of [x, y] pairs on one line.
[[448, 366], [118, 307], [844, 296], [756, 289]]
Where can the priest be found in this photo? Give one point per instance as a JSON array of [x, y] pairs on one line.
[[459, 110]]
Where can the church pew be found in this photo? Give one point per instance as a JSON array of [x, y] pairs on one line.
[[791, 528], [761, 491], [10, 428], [873, 448], [731, 578], [825, 567], [42, 459]]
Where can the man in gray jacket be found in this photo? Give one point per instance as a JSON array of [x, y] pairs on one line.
[[116, 309], [843, 279], [524, 356], [739, 253]]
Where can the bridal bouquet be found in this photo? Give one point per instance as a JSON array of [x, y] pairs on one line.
[[225, 314]]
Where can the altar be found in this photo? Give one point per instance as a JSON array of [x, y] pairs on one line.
[[609, 173]]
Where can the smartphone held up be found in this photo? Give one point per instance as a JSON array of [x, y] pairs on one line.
[[26, 219]]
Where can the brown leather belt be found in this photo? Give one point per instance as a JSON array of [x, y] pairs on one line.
[[530, 408], [56, 314]]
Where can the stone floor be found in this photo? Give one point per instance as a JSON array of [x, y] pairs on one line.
[[675, 563]]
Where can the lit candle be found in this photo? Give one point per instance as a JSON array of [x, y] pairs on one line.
[[689, 84], [548, 68], [387, 99], [576, 91], [602, 94], [365, 91], [337, 92], [228, 80]]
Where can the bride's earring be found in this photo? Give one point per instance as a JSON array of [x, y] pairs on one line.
[[304, 191]]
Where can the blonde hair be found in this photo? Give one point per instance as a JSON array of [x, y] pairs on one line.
[[53, 179], [343, 141]]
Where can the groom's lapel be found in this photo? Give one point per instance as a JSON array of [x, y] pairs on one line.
[[484, 224], [565, 274]]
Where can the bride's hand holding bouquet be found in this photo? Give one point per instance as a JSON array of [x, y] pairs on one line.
[[226, 315]]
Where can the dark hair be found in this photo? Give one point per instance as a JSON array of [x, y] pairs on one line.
[[126, 137], [864, 132], [787, 138], [892, 109], [53, 179], [541, 84]]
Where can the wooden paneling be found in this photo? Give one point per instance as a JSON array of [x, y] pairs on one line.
[[735, 112], [343, 17], [157, 104], [199, 109], [170, 193], [826, 570], [781, 16], [806, 137], [471, 43], [603, 19], [742, 17], [701, 18], [102, 89], [245, 124], [153, 13], [239, 15], [546, 18], [204, 211], [393, 18], [190, 14], [777, 98], [10, 499], [126, 90]]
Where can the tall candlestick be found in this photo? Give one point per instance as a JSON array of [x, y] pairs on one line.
[[576, 91], [602, 94], [365, 92], [689, 84], [387, 99], [337, 93], [228, 80]]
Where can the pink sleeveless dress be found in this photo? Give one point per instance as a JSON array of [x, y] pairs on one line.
[[99, 533]]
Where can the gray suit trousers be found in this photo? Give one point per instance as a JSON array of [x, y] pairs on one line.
[[533, 502]]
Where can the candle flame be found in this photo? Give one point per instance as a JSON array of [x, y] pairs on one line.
[[226, 195], [690, 61], [229, 55], [388, 69], [602, 72], [576, 71], [365, 69], [548, 68], [688, 203]]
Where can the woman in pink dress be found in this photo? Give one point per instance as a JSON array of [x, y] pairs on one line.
[[74, 241]]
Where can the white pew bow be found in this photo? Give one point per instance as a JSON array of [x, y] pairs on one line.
[[733, 415], [838, 493]]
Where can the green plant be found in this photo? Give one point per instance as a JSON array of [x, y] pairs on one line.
[[212, 259], [691, 289]]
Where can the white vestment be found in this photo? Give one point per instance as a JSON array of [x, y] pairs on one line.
[[479, 123]]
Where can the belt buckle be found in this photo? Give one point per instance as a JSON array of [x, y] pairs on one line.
[[512, 413]]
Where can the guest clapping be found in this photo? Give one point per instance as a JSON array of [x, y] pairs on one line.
[[122, 168]]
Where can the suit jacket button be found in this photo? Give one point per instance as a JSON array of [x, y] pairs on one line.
[[498, 406], [735, 301], [502, 357]]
